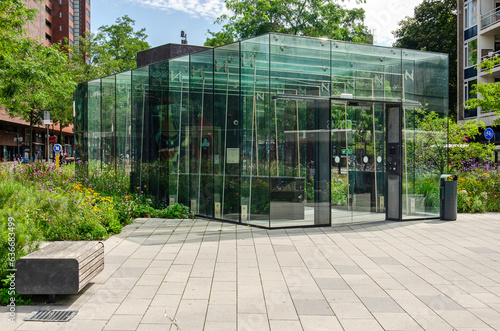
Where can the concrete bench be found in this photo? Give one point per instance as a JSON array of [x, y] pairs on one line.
[[61, 267]]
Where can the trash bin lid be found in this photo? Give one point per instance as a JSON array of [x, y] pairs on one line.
[[448, 177]]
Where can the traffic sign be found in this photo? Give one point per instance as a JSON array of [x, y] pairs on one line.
[[488, 133], [347, 151], [57, 148]]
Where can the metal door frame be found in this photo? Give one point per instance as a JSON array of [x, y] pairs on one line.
[[398, 170]]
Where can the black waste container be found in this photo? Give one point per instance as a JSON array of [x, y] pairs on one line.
[[448, 197]]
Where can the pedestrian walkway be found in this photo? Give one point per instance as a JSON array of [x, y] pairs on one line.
[[204, 275]]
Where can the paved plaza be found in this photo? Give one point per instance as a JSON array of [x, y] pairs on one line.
[[204, 275]]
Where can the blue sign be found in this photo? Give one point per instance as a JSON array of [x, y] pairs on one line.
[[57, 148], [488, 133]]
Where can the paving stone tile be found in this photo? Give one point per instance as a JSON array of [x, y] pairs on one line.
[[133, 306], [123, 322], [172, 288], [163, 300], [221, 313], [153, 327], [143, 292], [356, 324], [96, 311], [397, 321], [313, 307], [381, 305], [157, 315], [285, 325], [350, 310], [220, 326], [252, 322], [461, 319], [320, 323]]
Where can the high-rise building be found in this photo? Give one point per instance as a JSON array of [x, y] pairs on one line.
[[478, 40], [60, 20]]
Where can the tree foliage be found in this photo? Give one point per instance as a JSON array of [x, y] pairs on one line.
[[33, 78], [314, 18], [433, 28], [113, 49], [436, 148], [488, 93]]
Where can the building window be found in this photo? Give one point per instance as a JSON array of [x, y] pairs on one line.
[[88, 1], [48, 24], [87, 24], [71, 31], [87, 12], [60, 27], [468, 94], [71, 4], [471, 53], [71, 17], [60, 14], [470, 14], [71, 42], [48, 10], [49, 38]]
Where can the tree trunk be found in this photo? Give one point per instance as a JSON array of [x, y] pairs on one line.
[[31, 135]]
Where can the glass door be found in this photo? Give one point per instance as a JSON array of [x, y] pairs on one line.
[[359, 187], [300, 162]]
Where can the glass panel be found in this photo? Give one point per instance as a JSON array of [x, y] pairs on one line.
[[471, 56], [94, 128], [140, 85], [178, 131], [123, 111], [159, 124], [81, 129], [423, 160], [108, 124], [254, 126], [366, 72], [227, 110], [201, 129], [361, 164], [299, 135]]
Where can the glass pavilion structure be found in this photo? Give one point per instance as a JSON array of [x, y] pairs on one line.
[[274, 131]]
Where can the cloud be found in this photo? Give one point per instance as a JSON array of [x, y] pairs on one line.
[[383, 16], [196, 8]]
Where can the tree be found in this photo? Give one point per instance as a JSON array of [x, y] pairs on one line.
[[33, 78], [113, 49], [441, 142], [488, 93], [39, 80], [314, 18], [433, 28]]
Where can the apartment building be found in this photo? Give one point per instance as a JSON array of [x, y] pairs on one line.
[[59, 20], [478, 40]]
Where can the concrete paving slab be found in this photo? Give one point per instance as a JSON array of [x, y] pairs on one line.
[[203, 275]]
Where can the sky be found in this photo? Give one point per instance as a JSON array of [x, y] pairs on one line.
[[164, 19]]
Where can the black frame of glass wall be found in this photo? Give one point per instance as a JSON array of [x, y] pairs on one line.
[[274, 131]]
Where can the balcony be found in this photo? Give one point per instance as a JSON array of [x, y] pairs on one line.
[[490, 18], [488, 55]]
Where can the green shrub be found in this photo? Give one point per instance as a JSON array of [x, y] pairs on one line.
[[175, 211]]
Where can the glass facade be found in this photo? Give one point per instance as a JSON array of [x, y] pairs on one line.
[[274, 131]]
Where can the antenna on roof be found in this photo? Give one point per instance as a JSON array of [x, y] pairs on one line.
[[184, 37]]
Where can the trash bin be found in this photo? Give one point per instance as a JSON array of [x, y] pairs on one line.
[[448, 197]]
